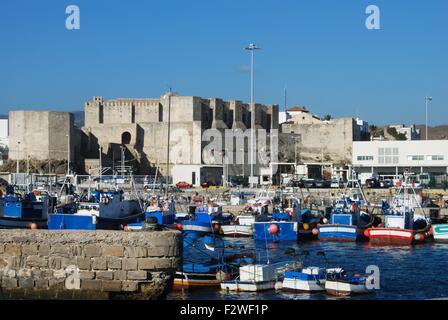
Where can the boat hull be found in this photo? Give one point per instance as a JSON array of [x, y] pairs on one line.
[[340, 233], [440, 232], [287, 231], [59, 221], [342, 288], [237, 231], [15, 223], [297, 285], [247, 286], [195, 280], [394, 236]]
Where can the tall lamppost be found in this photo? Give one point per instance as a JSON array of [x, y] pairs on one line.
[[18, 157], [68, 154], [427, 99], [252, 47]]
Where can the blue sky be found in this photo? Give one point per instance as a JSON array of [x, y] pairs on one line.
[[319, 49]]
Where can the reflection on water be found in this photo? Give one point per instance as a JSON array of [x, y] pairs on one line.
[[407, 272]]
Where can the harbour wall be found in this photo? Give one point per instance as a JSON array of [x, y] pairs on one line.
[[45, 264]]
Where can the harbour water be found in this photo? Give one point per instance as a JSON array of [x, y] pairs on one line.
[[406, 272]]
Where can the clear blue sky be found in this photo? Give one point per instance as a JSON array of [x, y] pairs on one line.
[[319, 49]]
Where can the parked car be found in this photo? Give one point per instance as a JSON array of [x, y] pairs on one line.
[[207, 184], [309, 183], [372, 183], [183, 185], [335, 183], [386, 183], [319, 183]]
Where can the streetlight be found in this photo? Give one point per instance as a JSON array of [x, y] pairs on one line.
[[427, 99], [68, 153], [18, 156], [252, 47]]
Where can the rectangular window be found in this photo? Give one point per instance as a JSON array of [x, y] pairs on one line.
[[365, 158], [435, 158], [416, 158]]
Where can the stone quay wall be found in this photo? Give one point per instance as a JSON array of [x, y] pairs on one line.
[[46, 264]]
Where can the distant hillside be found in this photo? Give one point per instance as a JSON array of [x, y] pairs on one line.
[[79, 118], [434, 133]]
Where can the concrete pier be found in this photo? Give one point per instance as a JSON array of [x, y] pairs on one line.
[[44, 264]]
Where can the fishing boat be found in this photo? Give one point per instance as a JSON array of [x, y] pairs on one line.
[[347, 220], [25, 209], [110, 210], [440, 232], [402, 224], [283, 226], [162, 212], [206, 219], [309, 279], [252, 278], [242, 225], [346, 286]]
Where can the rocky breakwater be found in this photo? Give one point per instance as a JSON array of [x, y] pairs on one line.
[[44, 264]]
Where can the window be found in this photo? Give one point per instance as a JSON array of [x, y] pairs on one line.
[[388, 155], [365, 158], [416, 158], [435, 158]]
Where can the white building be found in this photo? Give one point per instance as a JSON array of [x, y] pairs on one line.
[[387, 158], [411, 133]]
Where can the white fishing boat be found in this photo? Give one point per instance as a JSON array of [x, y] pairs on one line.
[[310, 279], [252, 278], [347, 286], [243, 224], [440, 232]]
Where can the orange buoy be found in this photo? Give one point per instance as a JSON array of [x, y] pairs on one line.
[[367, 233], [179, 226], [315, 231], [33, 226], [305, 226], [273, 229]]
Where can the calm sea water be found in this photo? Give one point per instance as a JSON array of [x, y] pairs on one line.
[[406, 272]]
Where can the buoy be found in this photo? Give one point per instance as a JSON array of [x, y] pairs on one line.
[[367, 233], [126, 228], [278, 285], [305, 226], [417, 237], [315, 231], [273, 229], [33, 226], [179, 226], [325, 220]]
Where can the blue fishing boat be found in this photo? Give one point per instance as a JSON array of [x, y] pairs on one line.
[[163, 213], [298, 278], [348, 221], [27, 209], [109, 210], [206, 219], [284, 224]]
